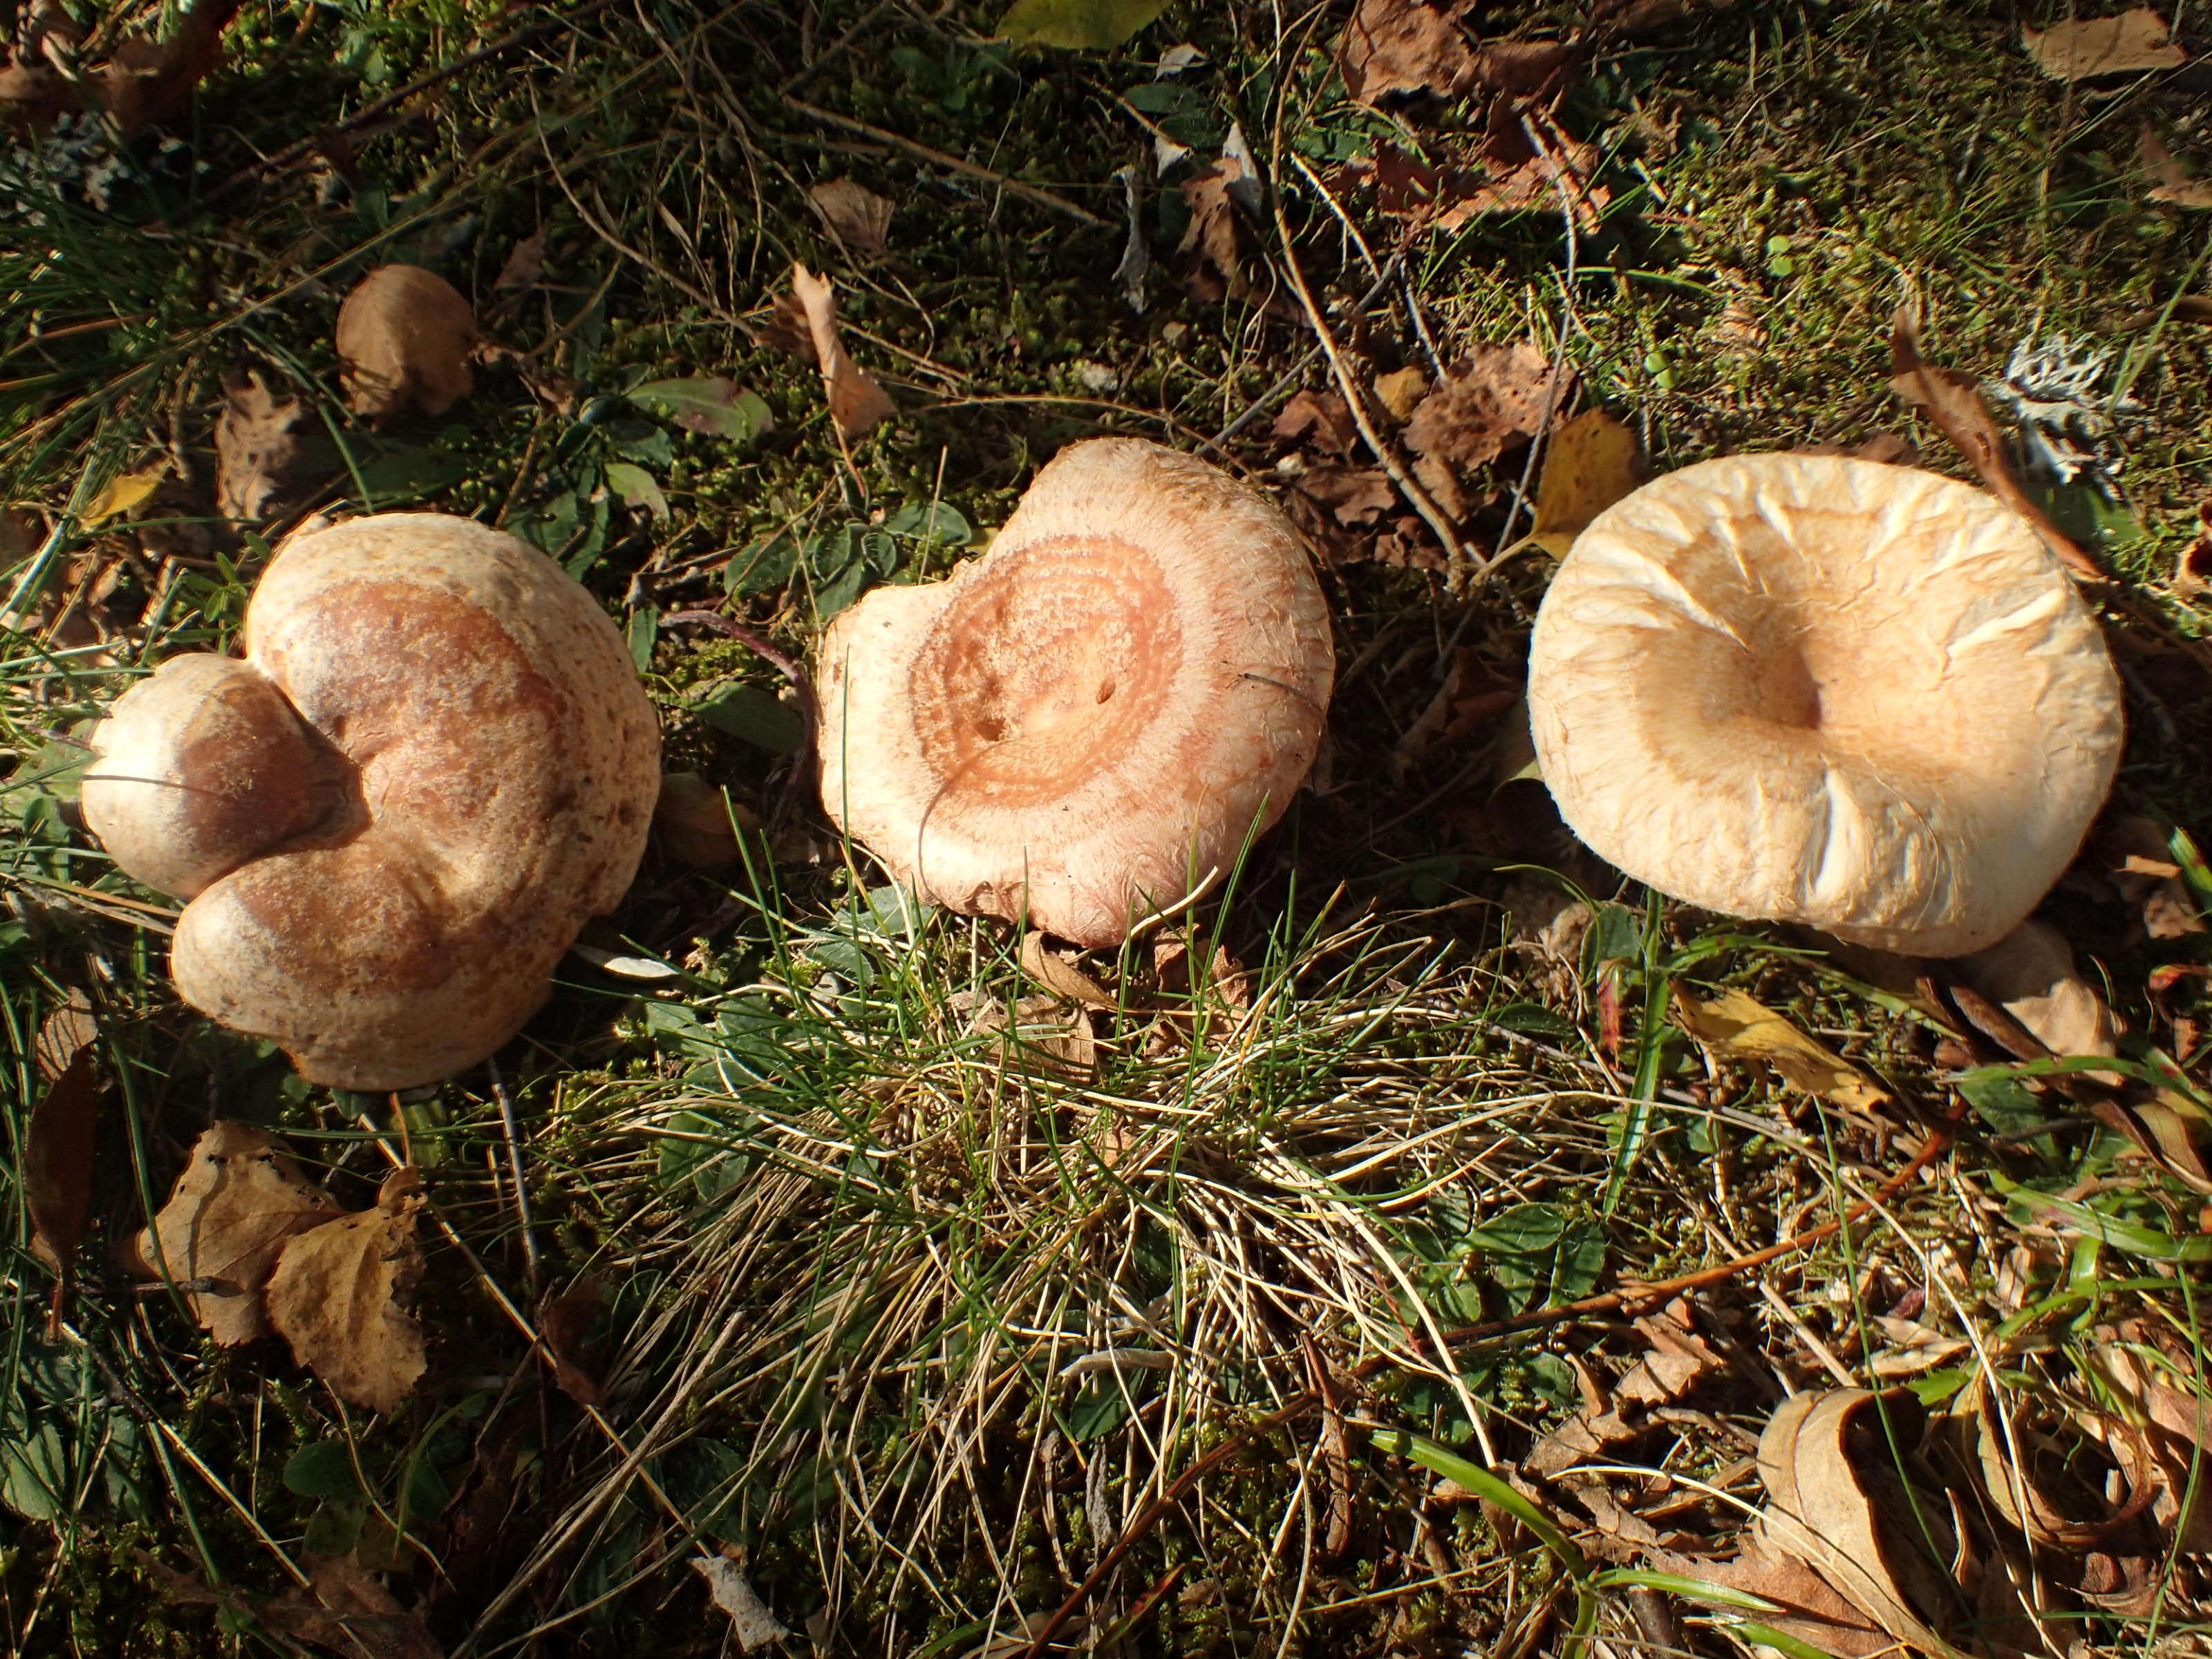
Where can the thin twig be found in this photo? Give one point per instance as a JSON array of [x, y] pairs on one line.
[[1939, 1141], [507, 1124], [1043, 198]]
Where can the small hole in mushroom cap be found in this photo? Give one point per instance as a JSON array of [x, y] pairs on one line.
[[1106, 692], [990, 728]]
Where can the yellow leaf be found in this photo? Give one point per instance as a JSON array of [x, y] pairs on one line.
[[1741, 1027], [1594, 463], [122, 495]]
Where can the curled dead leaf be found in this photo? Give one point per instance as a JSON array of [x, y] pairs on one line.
[[2084, 48], [340, 1293], [58, 1141], [403, 339], [236, 1201], [2159, 1429], [1060, 976], [1497, 397], [856, 402], [855, 215], [565, 1323], [1738, 1026], [2030, 974]]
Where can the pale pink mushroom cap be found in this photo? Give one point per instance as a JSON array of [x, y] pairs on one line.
[[1819, 690], [1084, 724]]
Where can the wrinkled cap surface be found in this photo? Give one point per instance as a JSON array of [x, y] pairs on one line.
[[434, 763], [1083, 724], [1826, 690]]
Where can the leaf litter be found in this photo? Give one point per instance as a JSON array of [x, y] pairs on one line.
[[856, 402], [340, 1294], [2084, 48], [59, 1138]]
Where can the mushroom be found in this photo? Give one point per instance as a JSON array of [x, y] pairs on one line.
[[1088, 722], [1812, 688], [391, 819]]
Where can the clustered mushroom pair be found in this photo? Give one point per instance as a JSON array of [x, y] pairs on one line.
[[1790, 687]]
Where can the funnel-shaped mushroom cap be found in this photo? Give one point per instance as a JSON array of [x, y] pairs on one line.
[[1085, 722], [1818, 689], [434, 762]]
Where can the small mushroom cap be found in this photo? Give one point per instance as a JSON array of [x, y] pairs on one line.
[[457, 767], [1814, 688], [1082, 724], [404, 337]]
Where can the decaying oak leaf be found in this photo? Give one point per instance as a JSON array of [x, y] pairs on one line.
[[1355, 497], [856, 402], [261, 447], [1594, 460], [1498, 396], [403, 339], [1038, 1028], [57, 1141], [340, 1295], [2030, 974], [750, 1622], [2083, 48], [855, 215], [1399, 48], [1214, 241], [1953, 400], [2161, 1434], [525, 266], [2138, 853], [1836, 1501], [1676, 1363], [1738, 1026], [1400, 393], [1810, 1607], [238, 1199], [145, 80]]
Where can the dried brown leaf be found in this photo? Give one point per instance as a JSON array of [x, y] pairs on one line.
[[1836, 1501], [2170, 182], [750, 1622], [1215, 238], [2083, 48], [565, 1322], [1953, 402], [1060, 977], [403, 338], [2136, 851], [345, 1610], [2030, 974], [1321, 421], [856, 216], [2192, 571], [149, 82], [1812, 1610], [236, 1201], [1355, 498], [1677, 1362], [1738, 1026], [58, 1141], [856, 402], [1400, 393], [1496, 397], [259, 455], [2161, 1437], [340, 1292], [1398, 48], [525, 266]]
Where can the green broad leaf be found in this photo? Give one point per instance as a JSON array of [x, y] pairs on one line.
[[836, 594], [2005, 1103], [937, 523], [763, 567], [641, 442], [2129, 1235], [878, 551], [1439, 1459], [334, 1528], [35, 1471], [1099, 1409], [324, 1469], [1081, 25], [644, 632], [637, 488], [1531, 1019], [833, 551], [754, 713], [412, 474], [713, 406]]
